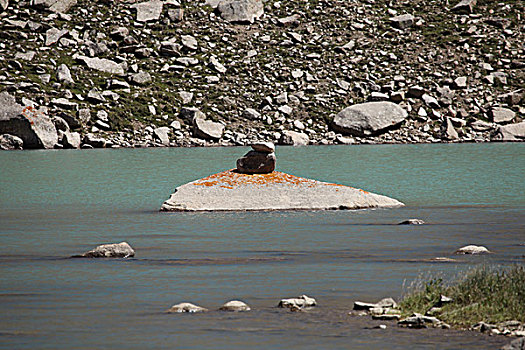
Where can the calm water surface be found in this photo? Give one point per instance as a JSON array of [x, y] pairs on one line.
[[54, 204]]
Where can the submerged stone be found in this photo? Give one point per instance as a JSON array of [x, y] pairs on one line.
[[233, 191]]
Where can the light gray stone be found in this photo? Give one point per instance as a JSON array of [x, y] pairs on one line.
[[502, 115], [186, 308], [472, 249], [10, 142], [4, 4], [162, 134], [215, 64], [53, 35], [71, 140], [465, 6], [449, 132], [293, 138], [33, 126], [241, 11], [141, 78], [64, 103], [94, 141], [480, 125], [299, 302], [402, 21], [207, 129], [113, 250], [189, 113], [189, 42], [235, 306], [186, 97], [369, 118], [64, 74], [252, 114], [61, 6], [231, 191], [148, 11], [510, 132], [102, 64]]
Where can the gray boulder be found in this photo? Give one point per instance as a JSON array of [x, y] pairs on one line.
[[293, 138], [102, 64], [148, 11], [235, 306], [255, 162], [510, 132], [61, 6], [207, 129], [10, 142], [502, 115], [71, 140], [465, 6], [94, 141], [114, 250], [162, 134], [64, 74], [33, 126], [402, 21], [141, 78], [4, 4], [188, 114], [369, 118], [241, 11], [449, 132], [186, 308]]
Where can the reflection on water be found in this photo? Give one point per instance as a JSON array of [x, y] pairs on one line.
[[57, 204]]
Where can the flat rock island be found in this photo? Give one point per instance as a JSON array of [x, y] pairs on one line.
[[243, 189]]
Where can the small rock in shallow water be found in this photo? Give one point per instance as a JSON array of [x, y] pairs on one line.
[[114, 250], [235, 305], [186, 307], [472, 249], [412, 222], [299, 302]]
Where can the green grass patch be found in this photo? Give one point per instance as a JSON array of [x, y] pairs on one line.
[[483, 294]]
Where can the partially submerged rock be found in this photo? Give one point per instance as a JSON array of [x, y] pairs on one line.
[[114, 250], [186, 308], [412, 222], [472, 249], [232, 191], [10, 142], [421, 321], [235, 305], [300, 302], [383, 303]]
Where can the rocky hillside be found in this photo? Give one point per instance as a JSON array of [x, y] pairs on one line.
[[109, 73]]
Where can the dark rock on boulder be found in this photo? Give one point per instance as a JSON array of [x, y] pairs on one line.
[[255, 162], [369, 118], [33, 126], [114, 250], [10, 142]]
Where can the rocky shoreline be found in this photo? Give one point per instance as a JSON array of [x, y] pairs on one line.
[[109, 74]]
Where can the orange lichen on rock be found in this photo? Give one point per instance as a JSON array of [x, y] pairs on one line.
[[231, 178]]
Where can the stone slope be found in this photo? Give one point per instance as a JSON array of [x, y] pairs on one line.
[[121, 69], [232, 191]]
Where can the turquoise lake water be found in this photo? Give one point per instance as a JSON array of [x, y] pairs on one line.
[[54, 204]]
